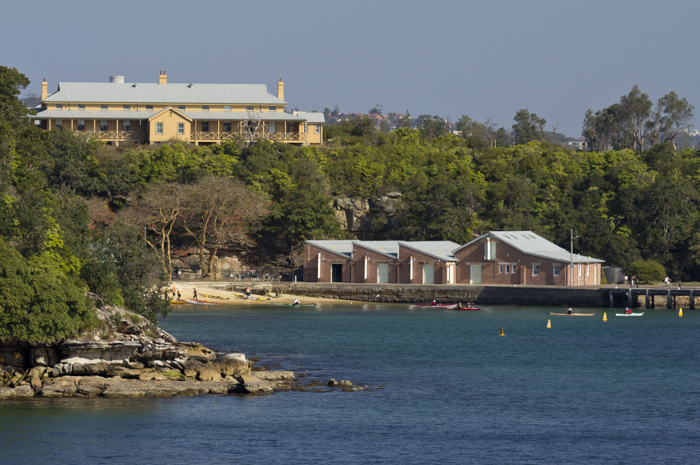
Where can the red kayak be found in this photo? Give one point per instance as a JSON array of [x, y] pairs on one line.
[[437, 306]]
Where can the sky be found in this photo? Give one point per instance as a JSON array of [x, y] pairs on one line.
[[484, 59]]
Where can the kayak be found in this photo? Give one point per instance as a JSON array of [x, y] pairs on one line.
[[177, 302], [196, 302], [292, 305], [242, 296], [466, 309], [216, 297], [629, 314], [573, 314]]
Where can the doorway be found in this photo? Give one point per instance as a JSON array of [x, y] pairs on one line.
[[383, 273], [475, 274], [428, 274], [337, 273]]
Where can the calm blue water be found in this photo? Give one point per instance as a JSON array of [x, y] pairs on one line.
[[625, 391]]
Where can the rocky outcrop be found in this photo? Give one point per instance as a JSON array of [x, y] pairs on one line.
[[127, 356], [355, 214]]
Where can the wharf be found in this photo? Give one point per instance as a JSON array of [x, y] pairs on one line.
[[632, 295]]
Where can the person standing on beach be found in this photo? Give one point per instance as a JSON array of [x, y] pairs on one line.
[[195, 294]]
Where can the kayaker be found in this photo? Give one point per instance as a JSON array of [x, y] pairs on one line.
[[179, 295], [195, 294], [568, 312], [433, 304], [628, 311], [296, 301]]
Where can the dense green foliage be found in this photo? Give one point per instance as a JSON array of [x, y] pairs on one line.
[[647, 271]]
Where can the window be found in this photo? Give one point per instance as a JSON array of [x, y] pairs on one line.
[[249, 108], [556, 270], [205, 107], [159, 128], [103, 125], [205, 126], [59, 106], [181, 108], [272, 127], [126, 107], [507, 269], [317, 128], [535, 270], [126, 125], [103, 107], [81, 125], [149, 107], [227, 127], [272, 109], [81, 106], [500, 269], [180, 128], [227, 107], [489, 250], [59, 122], [512, 269]]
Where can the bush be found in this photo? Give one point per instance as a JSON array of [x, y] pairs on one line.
[[647, 271]]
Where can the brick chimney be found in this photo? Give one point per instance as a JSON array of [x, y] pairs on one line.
[[280, 90], [162, 79], [44, 90]]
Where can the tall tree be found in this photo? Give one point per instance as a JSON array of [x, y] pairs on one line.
[[636, 107], [528, 127]]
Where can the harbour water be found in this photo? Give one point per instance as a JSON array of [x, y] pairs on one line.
[[452, 391]]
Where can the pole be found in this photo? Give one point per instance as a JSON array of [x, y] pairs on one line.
[[571, 268]]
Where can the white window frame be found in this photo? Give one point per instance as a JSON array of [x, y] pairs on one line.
[[317, 128], [58, 122], [104, 107], [104, 125], [227, 126], [181, 128], [81, 125], [556, 270], [227, 107], [126, 107], [272, 127], [512, 269], [507, 269], [159, 128], [500, 269], [81, 106], [535, 270], [59, 106], [205, 107]]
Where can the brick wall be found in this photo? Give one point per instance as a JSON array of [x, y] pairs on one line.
[[374, 259], [327, 259]]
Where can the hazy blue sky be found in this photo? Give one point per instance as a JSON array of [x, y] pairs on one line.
[[486, 59]]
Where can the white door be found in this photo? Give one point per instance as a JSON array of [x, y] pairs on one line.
[[428, 274], [451, 274], [383, 273], [475, 274]]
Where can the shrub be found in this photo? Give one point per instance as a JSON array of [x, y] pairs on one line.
[[647, 271]]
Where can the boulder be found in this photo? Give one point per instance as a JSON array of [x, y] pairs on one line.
[[254, 385], [208, 373], [286, 376], [196, 351], [89, 391], [152, 377], [20, 392], [232, 364]]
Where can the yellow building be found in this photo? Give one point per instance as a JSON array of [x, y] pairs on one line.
[[147, 113]]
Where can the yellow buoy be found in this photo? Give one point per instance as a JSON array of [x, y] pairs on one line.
[[549, 323], [605, 317], [680, 312], [502, 331]]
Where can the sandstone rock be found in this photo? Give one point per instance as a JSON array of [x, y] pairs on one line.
[[196, 351], [125, 327], [231, 364], [254, 385], [20, 392], [345, 383], [123, 372], [208, 373], [89, 391], [152, 377], [14, 355], [332, 383], [39, 356], [286, 376], [36, 384], [82, 351], [89, 369], [37, 372], [190, 373]]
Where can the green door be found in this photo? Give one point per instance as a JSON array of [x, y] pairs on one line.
[[428, 274], [383, 273], [475, 274]]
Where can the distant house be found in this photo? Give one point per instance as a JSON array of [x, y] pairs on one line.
[[498, 257], [579, 144]]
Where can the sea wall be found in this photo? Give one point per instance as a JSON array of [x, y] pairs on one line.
[[480, 295]]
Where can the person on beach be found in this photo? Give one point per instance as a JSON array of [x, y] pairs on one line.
[[179, 295], [296, 301], [628, 311], [433, 303], [569, 311], [195, 294]]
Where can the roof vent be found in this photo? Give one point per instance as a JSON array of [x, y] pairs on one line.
[[116, 79], [135, 85], [190, 85]]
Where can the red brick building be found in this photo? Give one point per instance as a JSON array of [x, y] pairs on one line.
[[498, 257]]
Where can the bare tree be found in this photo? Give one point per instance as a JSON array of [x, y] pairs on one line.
[[555, 126], [157, 210], [219, 212], [251, 125]]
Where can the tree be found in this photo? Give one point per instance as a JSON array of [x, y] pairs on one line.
[[406, 121], [219, 212], [678, 117], [433, 127], [528, 127], [251, 125], [636, 107], [647, 271]]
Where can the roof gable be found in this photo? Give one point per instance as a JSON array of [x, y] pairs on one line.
[[170, 110]]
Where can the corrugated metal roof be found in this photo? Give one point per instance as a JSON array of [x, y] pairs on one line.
[[312, 116], [242, 115], [339, 247], [532, 244], [140, 114], [174, 93], [93, 114], [390, 248], [439, 249]]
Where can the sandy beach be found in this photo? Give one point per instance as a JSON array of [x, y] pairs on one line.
[[209, 291]]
